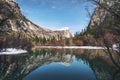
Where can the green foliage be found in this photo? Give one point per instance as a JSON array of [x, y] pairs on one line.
[[89, 31], [79, 35], [44, 40], [36, 39]]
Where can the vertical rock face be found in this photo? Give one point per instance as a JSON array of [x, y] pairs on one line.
[[64, 32], [11, 19], [100, 13], [105, 18], [97, 16]]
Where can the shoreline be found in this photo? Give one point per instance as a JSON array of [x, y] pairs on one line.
[[71, 47]]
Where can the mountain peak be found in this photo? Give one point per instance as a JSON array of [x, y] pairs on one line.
[[66, 32]]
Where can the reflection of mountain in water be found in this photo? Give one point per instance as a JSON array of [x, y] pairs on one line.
[[16, 67]]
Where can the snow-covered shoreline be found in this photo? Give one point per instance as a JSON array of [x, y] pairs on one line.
[[71, 47], [12, 51]]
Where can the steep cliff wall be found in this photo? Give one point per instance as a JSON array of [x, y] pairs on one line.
[[105, 17]]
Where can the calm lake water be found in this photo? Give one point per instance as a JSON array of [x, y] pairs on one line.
[[68, 69], [58, 64]]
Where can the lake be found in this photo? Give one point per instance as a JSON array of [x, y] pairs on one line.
[[58, 64]]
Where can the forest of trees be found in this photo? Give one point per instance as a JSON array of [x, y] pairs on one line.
[[52, 41]]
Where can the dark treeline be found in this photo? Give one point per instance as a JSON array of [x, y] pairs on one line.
[[15, 40], [52, 41]]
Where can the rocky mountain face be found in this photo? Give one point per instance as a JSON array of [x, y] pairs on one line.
[[99, 14], [104, 23], [65, 32], [11, 19], [106, 17]]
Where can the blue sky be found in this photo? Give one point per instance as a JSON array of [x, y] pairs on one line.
[[56, 14]]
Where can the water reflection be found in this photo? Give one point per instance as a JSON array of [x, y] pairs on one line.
[[66, 70], [92, 63]]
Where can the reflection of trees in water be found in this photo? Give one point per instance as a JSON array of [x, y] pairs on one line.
[[17, 66], [100, 63], [113, 52], [114, 55]]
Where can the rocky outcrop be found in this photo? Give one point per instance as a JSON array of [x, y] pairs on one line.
[[11, 19], [64, 32], [99, 14]]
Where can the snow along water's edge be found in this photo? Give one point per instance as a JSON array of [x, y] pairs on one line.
[[77, 47], [12, 51], [71, 47]]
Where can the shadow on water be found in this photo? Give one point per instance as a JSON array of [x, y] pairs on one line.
[[58, 64]]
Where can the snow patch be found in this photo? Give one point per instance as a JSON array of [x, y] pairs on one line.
[[64, 28], [11, 51]]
